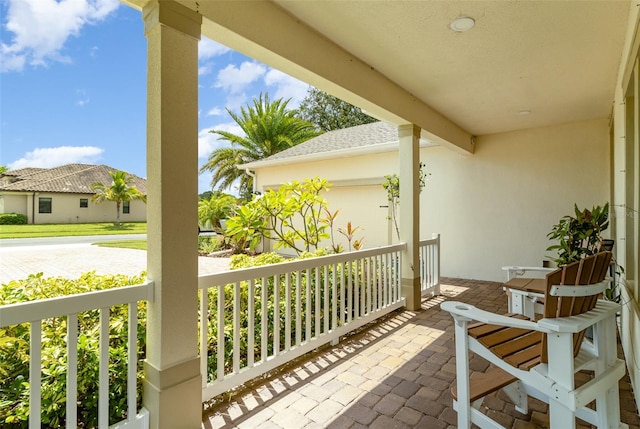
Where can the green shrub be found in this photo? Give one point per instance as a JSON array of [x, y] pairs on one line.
[[13, 219], [14, 353]]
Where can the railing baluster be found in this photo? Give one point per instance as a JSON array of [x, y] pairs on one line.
[[350, 292], [287, 312], [204, 335], [307, 316], [103, 374], [326, 299], [72, 371], [343, 298], [298, 307], [316, 299], [221, 343], [276, 315], [251, 322], [236, 327], [132, 361], [264, 322], [35, 374]]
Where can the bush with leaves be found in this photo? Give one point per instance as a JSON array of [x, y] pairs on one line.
[[12, 219], [210, 211], [295, 216], [14, 353], [391, 184]]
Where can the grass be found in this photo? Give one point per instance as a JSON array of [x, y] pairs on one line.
[[72, 229], [124, 244]]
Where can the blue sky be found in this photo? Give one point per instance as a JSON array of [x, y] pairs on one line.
[[73, 86]]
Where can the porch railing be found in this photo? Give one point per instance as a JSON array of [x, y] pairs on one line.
[[430, 266], [255, 320], [35, 313], [274, 314]]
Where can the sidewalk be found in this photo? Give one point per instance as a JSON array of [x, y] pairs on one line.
[[71, 260]]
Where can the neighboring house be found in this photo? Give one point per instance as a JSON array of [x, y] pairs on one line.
[[496, 206], [63, 195]]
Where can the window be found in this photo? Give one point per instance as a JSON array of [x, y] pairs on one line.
[[126, 207], [84, 203], [44, 205]]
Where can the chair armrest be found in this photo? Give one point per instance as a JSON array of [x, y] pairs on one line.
[[520, 271], [462, 311], [602, 310]]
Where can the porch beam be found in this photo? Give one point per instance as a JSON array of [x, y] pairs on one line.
[[264, 31], [172, 385], [409, 151]]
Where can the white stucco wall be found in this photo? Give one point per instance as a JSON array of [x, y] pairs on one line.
[[493, 208], [66, 209]]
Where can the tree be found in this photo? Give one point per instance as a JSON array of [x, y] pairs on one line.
[[269, 127], [3, 169], [119, 191], [331, 113]]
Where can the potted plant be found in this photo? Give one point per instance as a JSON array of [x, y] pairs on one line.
[[579, 236]]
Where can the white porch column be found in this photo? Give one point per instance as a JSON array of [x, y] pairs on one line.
[[409, 138], [172, 385]]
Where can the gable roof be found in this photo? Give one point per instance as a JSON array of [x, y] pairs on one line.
[[70, 178], [375, 137]]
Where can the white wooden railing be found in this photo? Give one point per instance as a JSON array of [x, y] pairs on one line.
[[298, 307], [262, 326], [430, 266], [35, 312]]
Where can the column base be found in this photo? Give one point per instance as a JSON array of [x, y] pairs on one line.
[[411, 293], [173, 396]]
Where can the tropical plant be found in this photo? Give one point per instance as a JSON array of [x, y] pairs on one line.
[[391, 184], [3, 169], [295, 216], [119, 191], [331, 113], [211, 211], [268, 128], [580, 235]]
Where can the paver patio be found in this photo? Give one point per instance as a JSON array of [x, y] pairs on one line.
[[395, 374]]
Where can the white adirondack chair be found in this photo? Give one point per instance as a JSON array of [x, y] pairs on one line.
[[540, 359]]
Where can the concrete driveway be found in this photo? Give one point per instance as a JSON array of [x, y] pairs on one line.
[[71, 260]]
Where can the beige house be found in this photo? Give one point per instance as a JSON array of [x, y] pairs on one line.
[[488, 204], [63, 195]]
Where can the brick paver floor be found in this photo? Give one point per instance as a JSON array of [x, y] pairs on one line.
[[395, 374]]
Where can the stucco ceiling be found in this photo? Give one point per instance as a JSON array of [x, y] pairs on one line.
[[401, 61], [556, 59]]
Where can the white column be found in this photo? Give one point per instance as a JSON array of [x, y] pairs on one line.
[[409, 137], [172, 385]]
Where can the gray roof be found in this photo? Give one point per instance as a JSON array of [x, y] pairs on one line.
[[70, 178], [375, 133]]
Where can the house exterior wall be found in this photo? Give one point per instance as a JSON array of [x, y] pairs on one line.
[[65, 208], [492, 209], [625, 179]]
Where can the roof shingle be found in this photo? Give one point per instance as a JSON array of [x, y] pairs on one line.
[[70, 178]]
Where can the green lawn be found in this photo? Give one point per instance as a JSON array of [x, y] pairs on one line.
[[124, 244], [75, 229]]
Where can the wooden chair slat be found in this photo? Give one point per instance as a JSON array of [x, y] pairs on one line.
[[523, 356], [484, 384], [530, 339], [502, 336]]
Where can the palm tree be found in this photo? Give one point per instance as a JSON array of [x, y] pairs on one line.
[[268, 128], [119, 191]]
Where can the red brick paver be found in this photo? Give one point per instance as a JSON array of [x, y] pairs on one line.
[[395, 374]]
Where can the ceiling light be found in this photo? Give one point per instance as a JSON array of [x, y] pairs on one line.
[[462, 24], [524, 112]]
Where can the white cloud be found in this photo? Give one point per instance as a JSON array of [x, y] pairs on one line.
[[57, 156], [216, 111], [208, 142], [205, 69], [41, 28], [207, 48], [235, 79], [286, 87]]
